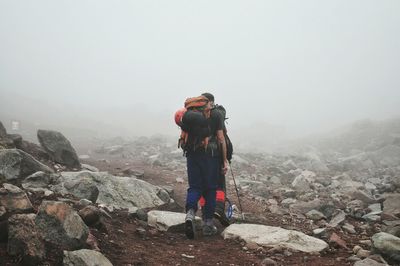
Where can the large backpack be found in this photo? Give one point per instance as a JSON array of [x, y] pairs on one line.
[[194, 125], [229, 145]]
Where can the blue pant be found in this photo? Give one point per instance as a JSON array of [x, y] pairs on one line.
[[203, 171]]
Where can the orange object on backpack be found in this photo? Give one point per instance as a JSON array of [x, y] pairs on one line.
[[196, 102]]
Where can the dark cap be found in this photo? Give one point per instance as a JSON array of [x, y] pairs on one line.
[[209, 96]]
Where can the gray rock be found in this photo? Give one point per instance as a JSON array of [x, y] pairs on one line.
[[14, 199], [337, 219], [372, 216], [368, 262], [85, 257], [114, 191], [270, 236], [16, 165], [38, 181], [315, 215], [89, 168], [163, 195], [319, 231], [349, 228], [59, 148], [268, 262], [287, 202], [90, 215], [390, 227], [169, 221], [300, 183], [363, 196], [82, 188], [391, 205], [24, 239], [304, 207], [387, 244], [61, 225], [375, 207]]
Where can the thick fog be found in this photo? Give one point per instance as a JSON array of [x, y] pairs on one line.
[[281, 68]]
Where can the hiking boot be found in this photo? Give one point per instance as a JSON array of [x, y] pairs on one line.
[[189, 224], [209, 230], [221, 217]]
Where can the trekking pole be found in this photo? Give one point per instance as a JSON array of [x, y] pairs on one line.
[[237, 191]]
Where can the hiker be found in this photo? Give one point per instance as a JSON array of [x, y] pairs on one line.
[[204, 147], [221, 184]]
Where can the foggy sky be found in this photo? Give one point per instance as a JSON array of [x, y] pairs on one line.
[[303, 65]]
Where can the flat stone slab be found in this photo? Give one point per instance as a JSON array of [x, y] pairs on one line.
[[169, 221], [271, 236]]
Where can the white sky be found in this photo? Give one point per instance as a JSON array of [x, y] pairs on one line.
[[306, 65]]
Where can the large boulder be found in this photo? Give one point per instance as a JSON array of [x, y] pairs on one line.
[[14, 199], [85, 257], [59, 148], [16, 165], [113, 191], [61, 225], [271, 236], [24, 239]]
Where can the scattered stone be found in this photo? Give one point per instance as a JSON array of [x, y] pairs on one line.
[[338, 241], [38, 181], [12, 198], [85, 202], [85, 257], [391, 206], [362, 253], [319, 231], [349, 228], [168, 221], [337, 219], [133, 172], [90, 215], [269, 236], [390, 227], [315, 215], [368, 262], [89, 168], [387, 244], [268, 262], [376, 207], [180, 180], [366, 242], [372, 216], [363, 196]]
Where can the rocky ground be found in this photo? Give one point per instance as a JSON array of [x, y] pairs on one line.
[[346, 199]]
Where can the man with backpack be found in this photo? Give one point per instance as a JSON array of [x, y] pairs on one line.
[[205, 148], [221, 184]]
